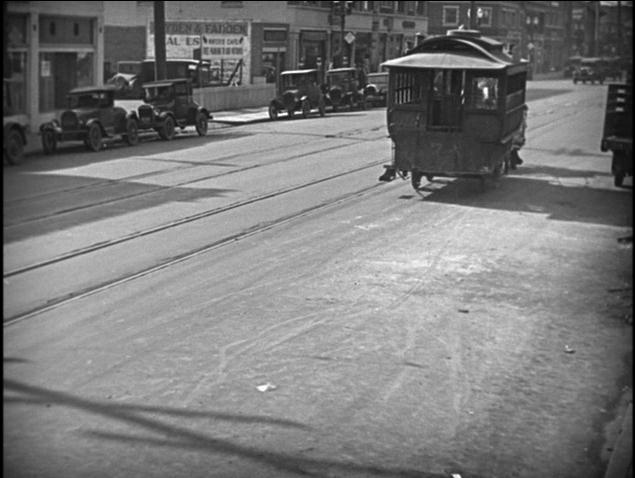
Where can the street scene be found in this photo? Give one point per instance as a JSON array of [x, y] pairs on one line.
[[427, 275]]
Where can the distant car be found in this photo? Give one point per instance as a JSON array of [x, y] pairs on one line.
[[91, 116], [376, 88], [169, 104], [344, 89], [570, 65], [591, 70], [298, 90]]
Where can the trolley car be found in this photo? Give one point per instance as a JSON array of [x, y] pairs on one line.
[[454, 104]]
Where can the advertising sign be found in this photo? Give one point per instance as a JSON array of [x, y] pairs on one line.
[[226, 44]]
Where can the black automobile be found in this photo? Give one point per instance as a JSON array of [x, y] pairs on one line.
[[298, 90], [345, 88], [591, 70], [91, 116], [169, 104]]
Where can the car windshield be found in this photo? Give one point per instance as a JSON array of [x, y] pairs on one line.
[[290, 82], [87, 100], [340, 78], [159, 93]]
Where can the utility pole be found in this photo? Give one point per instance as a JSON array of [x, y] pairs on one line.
[[160, 70], [472, 14]]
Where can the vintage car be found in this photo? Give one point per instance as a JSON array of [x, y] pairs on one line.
[[376, 88], [14, 124], [91, 116], [344, 88], [168, 104], [590, 69], [570, 65], [298, 90]]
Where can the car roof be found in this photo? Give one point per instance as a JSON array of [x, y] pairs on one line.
[[298, 72], [169, 82], [92, 89], [336, 70]]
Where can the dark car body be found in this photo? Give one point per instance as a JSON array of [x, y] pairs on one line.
[[90, 117], [591, 70], [169, 104], [345, 88], [298, 90], [14, 124]]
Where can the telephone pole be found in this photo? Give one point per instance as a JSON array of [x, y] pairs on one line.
[[160, 70]]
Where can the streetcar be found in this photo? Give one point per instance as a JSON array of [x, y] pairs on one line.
[[455, 103]]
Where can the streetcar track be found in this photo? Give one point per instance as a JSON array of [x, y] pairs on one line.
[[185, 220], [180, 167], [152, 190], [230, 239]]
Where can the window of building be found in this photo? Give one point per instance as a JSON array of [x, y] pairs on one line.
[[420, 8], [275, 35], [60, 72], [450, 15], [484, 18], [387, 7], [401, 7]]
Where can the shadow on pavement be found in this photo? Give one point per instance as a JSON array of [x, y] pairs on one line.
[[541, 195], [533, 94], [181, 437]]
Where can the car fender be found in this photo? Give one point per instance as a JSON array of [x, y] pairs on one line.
[[50, 125], [91, 121], [164, 114], [205, 112], [277, 104], [304, 98]]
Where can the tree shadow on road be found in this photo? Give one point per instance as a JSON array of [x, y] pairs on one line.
[[148, 418]]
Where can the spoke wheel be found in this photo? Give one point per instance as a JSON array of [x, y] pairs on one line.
[[132, 132], [167, 129], [14, 147], [306, 109], [94, 137], [49, 141], [201, 123], [273, 112]]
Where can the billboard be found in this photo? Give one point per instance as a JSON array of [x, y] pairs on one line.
[[225, 44]]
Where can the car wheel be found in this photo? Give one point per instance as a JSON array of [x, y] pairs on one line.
[[94, 137], [132, 132], [14, 147], [201, 123], [273, 112], [306, 109], [321, 107], [49, 141], [167, 129]]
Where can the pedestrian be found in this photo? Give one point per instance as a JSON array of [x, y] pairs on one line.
[[518, 141]]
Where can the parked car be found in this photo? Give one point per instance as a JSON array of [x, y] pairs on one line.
[[376, 88], [14, 125], [590, 69], [91, 116], [298, 90], [169, 104], [344, 88], [570, 65]]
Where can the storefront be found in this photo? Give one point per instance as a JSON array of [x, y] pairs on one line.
[[49, 53]]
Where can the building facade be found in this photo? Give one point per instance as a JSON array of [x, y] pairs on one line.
[[532, 30], [264, 38], [50, 48]]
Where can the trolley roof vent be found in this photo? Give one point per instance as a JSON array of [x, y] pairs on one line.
[[464, 33]]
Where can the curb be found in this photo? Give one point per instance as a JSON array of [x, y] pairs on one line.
[[621, 460]]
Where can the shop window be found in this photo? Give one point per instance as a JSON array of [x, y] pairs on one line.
[[484, 18], [450, 15]]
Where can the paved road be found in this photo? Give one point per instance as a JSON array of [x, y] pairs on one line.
[[402, 333]]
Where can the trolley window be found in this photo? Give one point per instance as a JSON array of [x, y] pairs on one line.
[[484, 93]]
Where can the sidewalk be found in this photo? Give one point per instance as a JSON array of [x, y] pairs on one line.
[[621, 461]]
